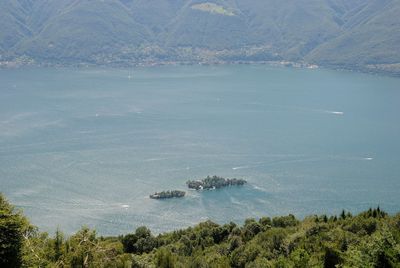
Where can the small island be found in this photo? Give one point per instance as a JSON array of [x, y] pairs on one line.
[[168, 194], [214, 182]]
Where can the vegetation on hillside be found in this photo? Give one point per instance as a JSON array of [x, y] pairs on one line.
[[213, 8], [369, 239], [352, 34]]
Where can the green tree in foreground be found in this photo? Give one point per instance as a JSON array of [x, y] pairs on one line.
[[12, 225], [369, 239], [165, 259]]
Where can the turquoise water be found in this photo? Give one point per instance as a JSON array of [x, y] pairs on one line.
[[87, 146]]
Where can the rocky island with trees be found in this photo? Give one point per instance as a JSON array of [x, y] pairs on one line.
[[214, 182], [208, 183], [168, 194]]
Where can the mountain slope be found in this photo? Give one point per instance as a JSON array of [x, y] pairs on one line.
[[328, 32], [293, 27], [13, 25], [82, 30], [373, 38], [216, 26]]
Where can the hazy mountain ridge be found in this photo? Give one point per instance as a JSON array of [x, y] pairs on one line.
[[327, 32]]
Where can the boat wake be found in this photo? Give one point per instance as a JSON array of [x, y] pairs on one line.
[[242, 167], [334, 112]]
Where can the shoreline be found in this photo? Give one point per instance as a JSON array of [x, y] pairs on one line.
[[367, 69]]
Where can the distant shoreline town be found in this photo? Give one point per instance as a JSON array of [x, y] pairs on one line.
[[378, 69], [29, 62]]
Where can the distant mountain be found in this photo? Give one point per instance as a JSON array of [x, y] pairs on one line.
[[370, 35], [341, 33]]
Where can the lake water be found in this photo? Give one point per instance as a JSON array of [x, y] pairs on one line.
[[87, 146]]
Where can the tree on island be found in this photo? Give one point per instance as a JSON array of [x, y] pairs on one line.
[[214, 182], [168, 194]]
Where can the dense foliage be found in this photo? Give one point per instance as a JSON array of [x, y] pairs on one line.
[[369, 239], [12, 226], [327, 32], [168, 194], [214, 182]]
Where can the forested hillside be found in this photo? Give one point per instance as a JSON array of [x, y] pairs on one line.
[[370, 239], [352, 34]]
